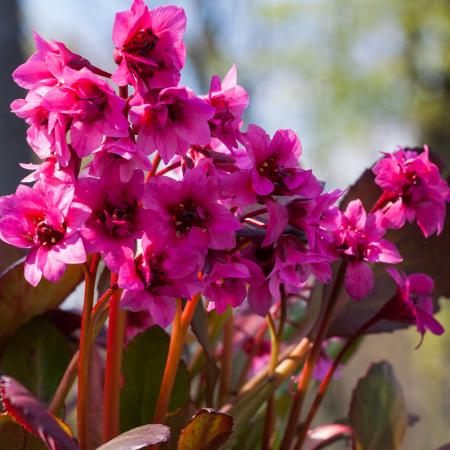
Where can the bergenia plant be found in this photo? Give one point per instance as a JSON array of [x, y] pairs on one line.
[[223, 284]]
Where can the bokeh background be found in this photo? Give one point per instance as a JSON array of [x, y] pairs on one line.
[[352, 77]]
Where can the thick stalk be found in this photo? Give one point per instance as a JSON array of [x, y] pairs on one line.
[[85, 356], [306, 373], [327, 379], [227, 358], [113, 366], [155, 164], [181, 324]]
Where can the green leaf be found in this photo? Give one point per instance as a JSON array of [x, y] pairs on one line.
[[207, 430], [20, 302], [14, 437], [378, 414], [37, 356], [143, 366], [137, 438]]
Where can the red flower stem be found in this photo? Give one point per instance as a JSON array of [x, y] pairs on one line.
[[70, 374], [113, 366], [181, 324], [227, 358], [327, 379], [255, 213], [310, 362], [167, 169], [155, 164], [269, 421], [85, 353], [255, 222]]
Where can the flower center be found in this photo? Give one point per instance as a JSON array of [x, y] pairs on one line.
[[187, 215], [47, 235], [118, 221], [142, 43]]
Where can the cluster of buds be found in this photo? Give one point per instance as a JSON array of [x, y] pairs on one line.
[[222, 209]]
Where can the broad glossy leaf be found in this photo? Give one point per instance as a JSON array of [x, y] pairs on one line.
[[207, 430], [378, 413], [14, 437], [444, 447], [26, 409], [143, 365], [37, 356], [20, 302], [137, 438], [429, 256]]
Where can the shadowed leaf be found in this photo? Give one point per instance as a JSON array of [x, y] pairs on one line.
[[207, 430], [137, 438], [20, 302], [26, 409], [14, 437], [377, 411], [143, 365], [44, 355]]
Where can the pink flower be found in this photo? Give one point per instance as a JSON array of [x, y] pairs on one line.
[[46, 220], [47, 132], [156, 278], [191, 213], [172, 122], [413, 189], [412, 303], [118, 156], [50, 170], [229, 100], [93, 107], [45, 67], [149, 46], [117, 218], [359, 241]]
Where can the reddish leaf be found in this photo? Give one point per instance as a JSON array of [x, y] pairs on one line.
[[324, 435], [137, 438], [14, 437], [429, 256], [20, 302], [207, 430], [26, 409]]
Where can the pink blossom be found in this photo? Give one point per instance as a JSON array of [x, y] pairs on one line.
[[118, 156], [229, 100], [156, 278], [413, 189], [172, 122], [45, 66], [50, 170], [191, 213], [117, 218], [93, 107], [149, 46], [412, 303], [46, 220], [359, 241]]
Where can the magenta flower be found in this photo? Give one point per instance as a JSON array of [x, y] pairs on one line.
[[191, 213], [47, 132], [412, 303], [93, 107], [175, 120], [359, 242], [413, 189], [45, 66], [118, 157], [117, 218], [156, 278], [229, 100], [149, 46], [46, 220]]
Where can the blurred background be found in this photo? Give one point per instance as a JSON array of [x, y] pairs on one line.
[[352, 77]]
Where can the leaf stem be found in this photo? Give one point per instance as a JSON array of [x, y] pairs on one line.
[[227, 357], [113, 366], [155, 164], [181, 324]]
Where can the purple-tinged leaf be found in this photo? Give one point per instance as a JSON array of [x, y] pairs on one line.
[[324, 435], [29, 412], [137, 438], [207, 430], [444, 447], [378, 413]]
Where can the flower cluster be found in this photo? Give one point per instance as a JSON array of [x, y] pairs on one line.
[[232, 214]]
